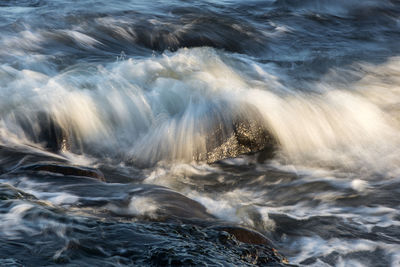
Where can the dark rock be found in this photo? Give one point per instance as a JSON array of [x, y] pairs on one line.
[[246, 235], [245, 136], [168, 205], [261, 249], [42, 128], [9, 192], [52, 134], [64, 170], [173, 204], [12, 158]]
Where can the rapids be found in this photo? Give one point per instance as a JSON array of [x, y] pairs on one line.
[[135, 132]]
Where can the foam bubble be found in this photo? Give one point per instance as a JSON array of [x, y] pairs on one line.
[[359, 185]]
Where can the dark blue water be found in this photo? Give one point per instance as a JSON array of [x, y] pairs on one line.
[[199, 133]]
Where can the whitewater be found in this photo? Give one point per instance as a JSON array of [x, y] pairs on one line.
[[182, 133]]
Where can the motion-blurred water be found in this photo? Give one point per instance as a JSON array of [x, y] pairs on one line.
[[140, 90]]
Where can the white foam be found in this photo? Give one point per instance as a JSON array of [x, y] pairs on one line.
[[173, 175], [317, 247], [359, 185], [63, 199], [15, 224], [40, 191], [138, 206], [160, 108], [81, 38], [12, 221], [238, 206]]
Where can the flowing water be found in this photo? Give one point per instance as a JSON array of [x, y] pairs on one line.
[[116, 122]]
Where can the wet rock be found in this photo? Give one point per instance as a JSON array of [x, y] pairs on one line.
[[65, 170], [257, 249], [9, 192], [12, 158], [159, 203], [55, 137], [246, 136], [253, 137], [238, 253], [42, 128], [245, 235], [52, 134], [175, 205]]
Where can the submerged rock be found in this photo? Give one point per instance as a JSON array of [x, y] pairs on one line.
[[65, 170], [168, 216], [10, 192], [158, 203], [245, 235], [12, 157], [253, 246]]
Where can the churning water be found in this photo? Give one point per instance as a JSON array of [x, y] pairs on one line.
[[132, 131]]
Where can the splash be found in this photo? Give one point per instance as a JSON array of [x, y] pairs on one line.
[[185, 105]]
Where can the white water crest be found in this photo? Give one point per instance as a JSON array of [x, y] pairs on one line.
[[164, 107]]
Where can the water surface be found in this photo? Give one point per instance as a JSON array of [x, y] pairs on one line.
[[140, 95]]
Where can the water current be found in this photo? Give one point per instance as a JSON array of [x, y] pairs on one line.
[[170, 133]]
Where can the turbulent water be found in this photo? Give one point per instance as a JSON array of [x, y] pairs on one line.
[[143, 132]]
